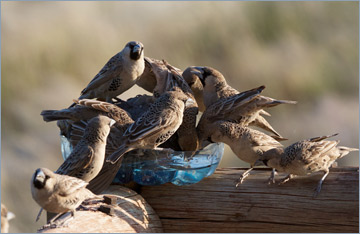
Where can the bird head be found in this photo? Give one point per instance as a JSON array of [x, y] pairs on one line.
[[136, 49], [40, 178], [209, 76]]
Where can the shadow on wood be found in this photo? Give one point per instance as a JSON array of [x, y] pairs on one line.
[[124, 212], [216, 205]]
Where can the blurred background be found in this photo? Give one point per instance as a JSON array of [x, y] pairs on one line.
[[303, 51]]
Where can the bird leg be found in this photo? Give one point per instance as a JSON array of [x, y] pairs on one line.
[[55, 217], [243, 176], [271, 179], [39, 214], [92, 201], [286, 179], [84, 208], [53, 223], [318, 188]]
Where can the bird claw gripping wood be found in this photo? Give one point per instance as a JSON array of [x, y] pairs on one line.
[[241, 179], [271, 179], [286, 179]]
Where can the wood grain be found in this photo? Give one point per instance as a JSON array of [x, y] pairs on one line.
[[216, 205]]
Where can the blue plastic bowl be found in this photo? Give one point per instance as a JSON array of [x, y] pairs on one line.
[[154, 167]]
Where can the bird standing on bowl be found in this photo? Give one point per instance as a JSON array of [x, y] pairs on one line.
[[156, 125], [306, 157], [187, 133], [118, 74], [58, 193], [162, 77]]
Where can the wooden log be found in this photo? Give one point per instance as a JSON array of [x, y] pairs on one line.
[[216, 205], [124, 211]]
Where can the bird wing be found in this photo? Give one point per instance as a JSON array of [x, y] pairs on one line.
[[318, 149], [148, 125], [221, 108], [260, 139], [320, 138], [69, 185], [106, 73], [78, 160], [113, 111]]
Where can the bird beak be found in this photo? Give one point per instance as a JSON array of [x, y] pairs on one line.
[[199, 72], [40, 176], [137, 49], [112, 122], [259, 163], [189, 102], [10, 215]]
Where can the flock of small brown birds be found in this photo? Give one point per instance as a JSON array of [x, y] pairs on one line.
[[102, 128]]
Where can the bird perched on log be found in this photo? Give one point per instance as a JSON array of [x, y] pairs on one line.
[[118, 74], [215, 88], [6, 216], [306, 157], [187, 133], [58, 193], [156, 125], [246, 143]]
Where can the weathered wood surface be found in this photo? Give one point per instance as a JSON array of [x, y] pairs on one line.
[[131, 214], [216, 205]]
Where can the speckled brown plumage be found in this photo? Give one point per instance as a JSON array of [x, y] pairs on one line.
[[187, 133], [137, 105], [87, 158], [58, 193], [155, 126], [233, 108], [246, 143], [167, 77], [215, 88], [118, 74], [306, 157]]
